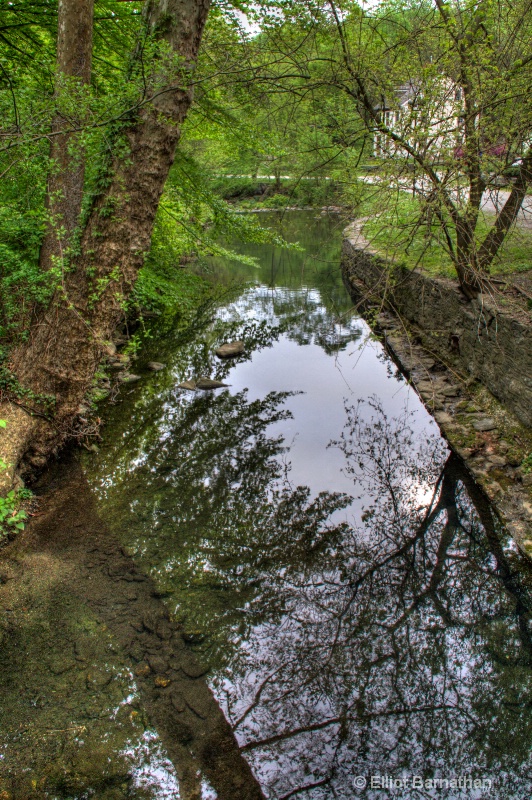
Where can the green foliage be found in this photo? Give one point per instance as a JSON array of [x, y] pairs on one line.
[[526, 464], [21, 282], [12, 516], [191, 223]]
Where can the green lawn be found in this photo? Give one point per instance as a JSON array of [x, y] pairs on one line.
[[394, 233]]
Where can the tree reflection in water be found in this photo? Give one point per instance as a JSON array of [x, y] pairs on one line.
[[399, 643], [402, 647]]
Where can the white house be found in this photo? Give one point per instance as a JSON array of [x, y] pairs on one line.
[[428, 118]]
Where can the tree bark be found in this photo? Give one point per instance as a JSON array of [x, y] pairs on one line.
[[65, 181], [66, 340], [507, 215]]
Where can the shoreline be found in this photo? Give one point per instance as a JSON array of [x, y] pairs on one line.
[[479, 428]]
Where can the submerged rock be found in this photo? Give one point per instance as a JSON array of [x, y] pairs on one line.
[[208, 383], [190, 385], [129, 377], [155, 366], [230, 350], [119, 361]]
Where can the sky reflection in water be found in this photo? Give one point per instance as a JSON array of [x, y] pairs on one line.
[[338, 569]]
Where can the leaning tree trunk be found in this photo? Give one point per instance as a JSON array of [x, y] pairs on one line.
[[65, 181], [466, 263], [66, 341]]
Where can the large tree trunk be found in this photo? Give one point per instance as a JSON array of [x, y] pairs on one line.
[[66, 340], [65, 181], [466, 264]]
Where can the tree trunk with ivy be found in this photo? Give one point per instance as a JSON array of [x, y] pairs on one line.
[[65, 181], [56, 365]]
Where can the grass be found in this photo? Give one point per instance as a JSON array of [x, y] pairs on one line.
[[394, 232]]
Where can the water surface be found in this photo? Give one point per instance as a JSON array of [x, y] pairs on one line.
[[356, 607]]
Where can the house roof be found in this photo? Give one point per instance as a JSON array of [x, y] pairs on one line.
[[403, 96]]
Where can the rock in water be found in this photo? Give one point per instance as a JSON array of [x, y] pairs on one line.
[[207, 383], [155, 366], [230, 350], [190, 385], [128, 377]]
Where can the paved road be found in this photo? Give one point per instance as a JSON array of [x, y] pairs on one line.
[[493, 201]]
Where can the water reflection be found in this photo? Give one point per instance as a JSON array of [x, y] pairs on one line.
[[338, 570], [405, 650]]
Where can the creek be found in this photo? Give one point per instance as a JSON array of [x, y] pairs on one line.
[[286, 588]]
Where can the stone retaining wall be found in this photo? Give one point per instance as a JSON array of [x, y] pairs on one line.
[[479, 340]]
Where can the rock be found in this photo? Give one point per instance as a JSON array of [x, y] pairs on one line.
[[120, 361], [191, 667], [163, 630], [230, 350], [527, 479], [197, 701], [190, 385], [110, 348], [129, 377], [450, 391], [193, 637], [162, 681], [207, 384], [480, 473], [61, 663], [497, 461], [464, 452], [98, 679], [178, 701], [155, 366], [151, 620], [442, 418], [136, 651], [484, 424]]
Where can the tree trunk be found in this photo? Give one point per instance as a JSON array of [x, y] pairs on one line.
[[66, 340], [65, 181], [507, 215], [466, 264]]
